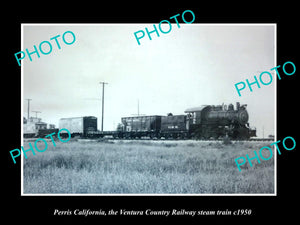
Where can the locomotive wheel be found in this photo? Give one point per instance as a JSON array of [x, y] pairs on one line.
[[206, 136], [215, 136]]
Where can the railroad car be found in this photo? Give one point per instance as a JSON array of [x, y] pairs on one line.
[[32, 126], [44, 132], [78, 126], [140, 126]]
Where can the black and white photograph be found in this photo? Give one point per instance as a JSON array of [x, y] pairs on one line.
[[148, 112], [129, 109]]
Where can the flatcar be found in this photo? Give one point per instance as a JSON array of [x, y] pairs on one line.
[[44, 132]]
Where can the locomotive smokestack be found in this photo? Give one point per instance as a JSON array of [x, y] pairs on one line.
[[237, 106]]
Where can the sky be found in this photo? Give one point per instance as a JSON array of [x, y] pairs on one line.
[[194, 65]]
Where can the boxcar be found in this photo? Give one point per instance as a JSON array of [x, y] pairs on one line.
[[78, 125]]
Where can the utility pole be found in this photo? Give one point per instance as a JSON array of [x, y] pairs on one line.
[[103, 83], [28, 99], [138, 109], [36, 112]]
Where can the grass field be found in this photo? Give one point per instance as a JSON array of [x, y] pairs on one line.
[[142, 167]]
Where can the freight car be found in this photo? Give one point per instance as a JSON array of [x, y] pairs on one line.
[[79, 126], [140, 126], [44, 132], [34, 127]]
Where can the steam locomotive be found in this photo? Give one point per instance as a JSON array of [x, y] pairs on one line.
[[217, 121], [205, 122]]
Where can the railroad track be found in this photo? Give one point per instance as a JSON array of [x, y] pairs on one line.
[[261, 139], [145, 139]]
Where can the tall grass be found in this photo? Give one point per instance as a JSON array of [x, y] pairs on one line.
[[147, 167]]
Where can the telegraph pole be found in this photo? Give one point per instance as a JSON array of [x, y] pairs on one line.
[[138, 109], [103, 83], [28, 99]]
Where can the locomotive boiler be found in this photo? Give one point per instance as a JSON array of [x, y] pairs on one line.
[[216, 121]]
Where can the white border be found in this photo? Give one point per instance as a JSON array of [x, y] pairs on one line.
[[22, 104], [275, 111], [204, 24]]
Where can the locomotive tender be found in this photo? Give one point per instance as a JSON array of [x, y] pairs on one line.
[[205, 122]]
